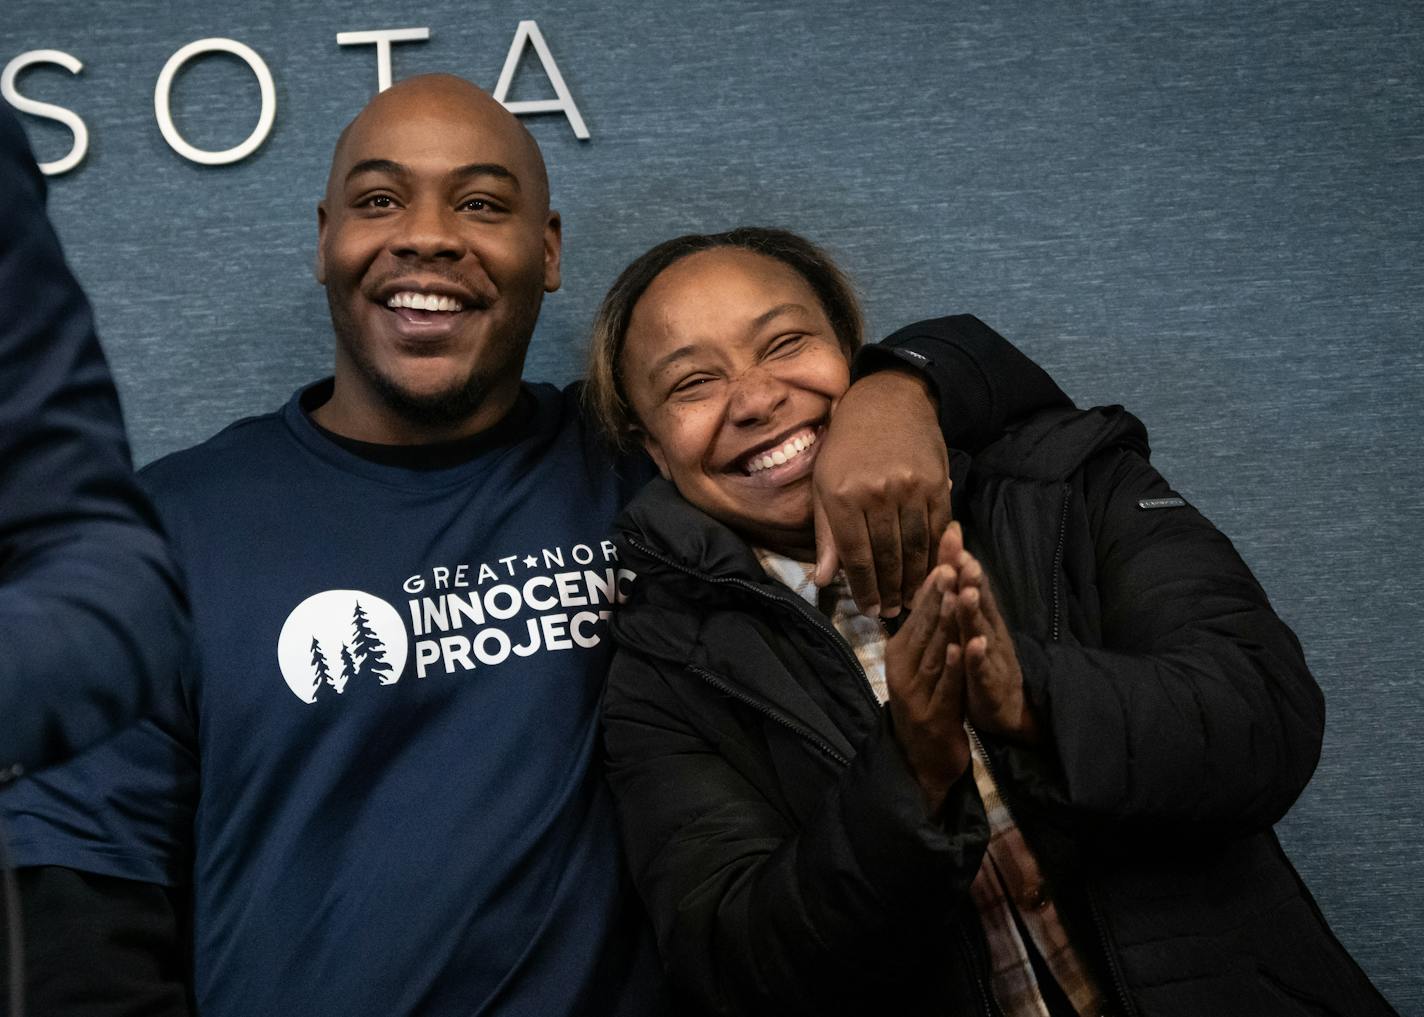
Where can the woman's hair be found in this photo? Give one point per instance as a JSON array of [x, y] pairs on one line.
[[604, 395]]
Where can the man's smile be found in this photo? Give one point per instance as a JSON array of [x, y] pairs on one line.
[[423, 301], [425, 311]]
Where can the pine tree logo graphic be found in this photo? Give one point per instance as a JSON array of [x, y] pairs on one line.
[[348, 670], [341, 640], [368, 646], [322, 672]]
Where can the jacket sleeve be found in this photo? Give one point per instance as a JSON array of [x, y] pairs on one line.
[[92, 616], [757, 914], [1197, 715], [982, 381], [97, 946]]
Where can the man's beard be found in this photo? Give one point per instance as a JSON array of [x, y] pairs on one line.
[[452, 405], [436, 410]]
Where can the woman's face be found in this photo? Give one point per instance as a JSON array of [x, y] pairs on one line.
[[733, 370]]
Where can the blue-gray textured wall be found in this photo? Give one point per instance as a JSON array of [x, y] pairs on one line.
[[1213, 213]]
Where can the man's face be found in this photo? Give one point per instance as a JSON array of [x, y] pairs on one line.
[[436, 247]]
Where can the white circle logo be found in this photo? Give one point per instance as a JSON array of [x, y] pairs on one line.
[[340, 640]]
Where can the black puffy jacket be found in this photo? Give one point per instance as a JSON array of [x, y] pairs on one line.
[[780, 841]]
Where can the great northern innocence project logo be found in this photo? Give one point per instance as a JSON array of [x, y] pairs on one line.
[[460, 617]]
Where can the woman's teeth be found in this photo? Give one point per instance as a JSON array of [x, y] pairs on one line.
[[776, 457], [424, 302]]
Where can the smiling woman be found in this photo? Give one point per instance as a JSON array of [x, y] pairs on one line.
[[725, 365], [732, 417], [1051, 790]]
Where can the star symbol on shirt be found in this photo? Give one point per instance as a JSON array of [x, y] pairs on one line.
[[530, 561]]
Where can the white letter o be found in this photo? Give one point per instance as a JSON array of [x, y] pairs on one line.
[[165, 118]]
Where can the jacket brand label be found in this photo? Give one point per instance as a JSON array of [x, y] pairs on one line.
[[1161, 503]]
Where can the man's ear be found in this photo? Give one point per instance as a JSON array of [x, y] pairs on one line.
[[654, 451], [553, 251], [320, 267]]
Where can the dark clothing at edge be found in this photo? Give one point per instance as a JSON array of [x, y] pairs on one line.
[[93, 620]]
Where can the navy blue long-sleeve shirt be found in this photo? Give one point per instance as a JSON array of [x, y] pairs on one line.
[[92, 615]]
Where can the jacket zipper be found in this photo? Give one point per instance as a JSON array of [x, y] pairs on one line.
[[1099, 923], [1114, 970], [975, 967], [1058, 561], [725, 687]]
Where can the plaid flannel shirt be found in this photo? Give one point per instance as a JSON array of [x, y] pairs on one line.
[[1009, 890]]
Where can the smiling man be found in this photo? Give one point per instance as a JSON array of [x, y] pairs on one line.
[[380, 793], [434, 272]]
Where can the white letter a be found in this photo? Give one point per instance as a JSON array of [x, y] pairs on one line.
[[529, 32]]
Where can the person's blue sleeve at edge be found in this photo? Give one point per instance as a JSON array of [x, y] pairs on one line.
[[93, 620]]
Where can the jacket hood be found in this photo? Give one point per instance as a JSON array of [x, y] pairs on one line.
[[687, 564], [659, 520]]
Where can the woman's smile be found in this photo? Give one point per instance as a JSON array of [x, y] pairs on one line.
[[745, 372]]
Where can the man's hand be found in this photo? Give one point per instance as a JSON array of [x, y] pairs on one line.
[[925, 676], [881, 490], [993, 679]]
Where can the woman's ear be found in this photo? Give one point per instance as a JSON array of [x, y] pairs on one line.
[[654, 451]]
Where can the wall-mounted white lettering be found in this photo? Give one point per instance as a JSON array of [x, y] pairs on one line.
[[382, 38], [527, 33], [264, 120], [47, 110]]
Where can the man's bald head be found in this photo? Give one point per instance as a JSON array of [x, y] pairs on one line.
[[436, 246], [440, 95]]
